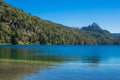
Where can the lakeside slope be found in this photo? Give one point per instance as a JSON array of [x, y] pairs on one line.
[[19, 27]]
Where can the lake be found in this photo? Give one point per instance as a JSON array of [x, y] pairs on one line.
[[59, 62]]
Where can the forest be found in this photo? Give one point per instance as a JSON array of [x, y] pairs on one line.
[[19, 27]]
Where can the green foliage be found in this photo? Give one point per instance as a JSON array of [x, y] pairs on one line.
[[18, 27], [102, 36]]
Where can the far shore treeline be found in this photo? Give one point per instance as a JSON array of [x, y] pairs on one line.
[[18, 27]]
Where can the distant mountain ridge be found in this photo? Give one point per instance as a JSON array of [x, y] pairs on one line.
[[18, 27], [116, 34], [102, 36]]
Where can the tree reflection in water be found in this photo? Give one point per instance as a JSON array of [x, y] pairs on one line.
[[10, 70]]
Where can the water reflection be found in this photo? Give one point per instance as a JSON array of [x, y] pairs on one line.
[[16, 70], [15, 63], [93, 60], [50, 55], [28, 54], [18, 61]]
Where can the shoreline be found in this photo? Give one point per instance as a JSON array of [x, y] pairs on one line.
[[29, 61]]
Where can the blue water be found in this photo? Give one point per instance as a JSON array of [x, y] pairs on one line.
[[70, 62]]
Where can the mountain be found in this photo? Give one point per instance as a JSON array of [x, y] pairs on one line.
[[19, 27], [116, 34], [102, 36]]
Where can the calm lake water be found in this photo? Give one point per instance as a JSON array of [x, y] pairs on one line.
[[59, 62]]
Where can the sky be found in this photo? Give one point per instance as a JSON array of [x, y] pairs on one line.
[[74, 13]]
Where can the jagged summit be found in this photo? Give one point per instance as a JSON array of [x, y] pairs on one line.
[[18, 27], [93, 27]]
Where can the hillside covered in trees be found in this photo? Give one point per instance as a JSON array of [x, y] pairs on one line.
[[101, 36], [18, 27]]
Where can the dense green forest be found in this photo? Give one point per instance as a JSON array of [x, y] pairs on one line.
[[19, 27]]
